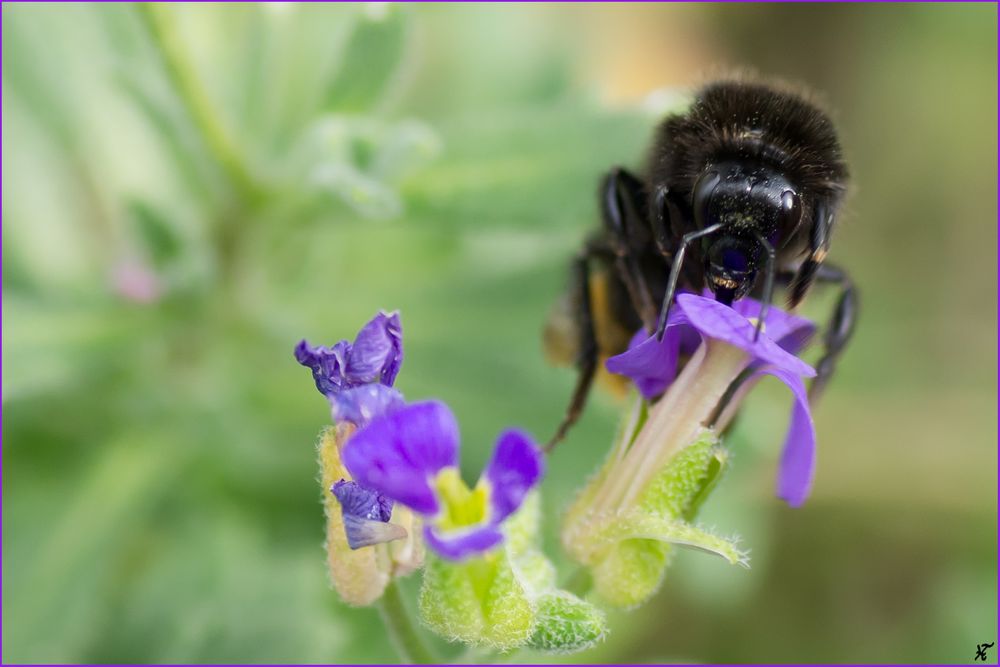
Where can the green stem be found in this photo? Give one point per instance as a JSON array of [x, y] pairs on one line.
[[404, 634], [162, 26]]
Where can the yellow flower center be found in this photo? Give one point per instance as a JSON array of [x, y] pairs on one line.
[[460, 505]]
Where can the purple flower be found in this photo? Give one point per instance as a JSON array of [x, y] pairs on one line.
[[411, 456], [362, 404], [366, 515], [652, 365], [357, 377]]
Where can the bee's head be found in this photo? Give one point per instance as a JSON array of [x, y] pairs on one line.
[[753, 206]]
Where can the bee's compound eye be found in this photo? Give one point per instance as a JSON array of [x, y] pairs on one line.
[[791, 209]]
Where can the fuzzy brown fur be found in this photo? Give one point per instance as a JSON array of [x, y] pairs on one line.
[[767, 122]]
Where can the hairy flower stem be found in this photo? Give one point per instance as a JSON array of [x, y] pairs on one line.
[[401, 628], [674, 421]]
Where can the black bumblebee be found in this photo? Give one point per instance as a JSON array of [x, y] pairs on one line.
[[739, 195]]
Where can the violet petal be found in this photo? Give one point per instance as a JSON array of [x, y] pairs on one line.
[[365, 532], [460, 544], [366, 515], [716, 320], [359, 501], [377, 352], [649, 363], [798, 457], [362, 404], [789, 331], [515, 468], [399, 453], [795, 340], [689, 337], [326, 363]]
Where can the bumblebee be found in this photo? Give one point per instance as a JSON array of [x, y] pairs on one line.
[[739, 196]]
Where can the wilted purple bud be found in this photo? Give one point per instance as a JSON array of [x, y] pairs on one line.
[[366, 515], [357, 377]]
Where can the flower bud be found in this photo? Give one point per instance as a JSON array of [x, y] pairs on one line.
[[361, 575]]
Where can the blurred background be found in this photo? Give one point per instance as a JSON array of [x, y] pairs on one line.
[[189, 190]]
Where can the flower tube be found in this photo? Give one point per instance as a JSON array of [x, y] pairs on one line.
[[730, 347], [668, 457]]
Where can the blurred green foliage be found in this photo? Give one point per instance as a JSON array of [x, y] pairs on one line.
[[189, 190]]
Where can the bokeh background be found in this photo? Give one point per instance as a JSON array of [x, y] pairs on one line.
[[190, 190]]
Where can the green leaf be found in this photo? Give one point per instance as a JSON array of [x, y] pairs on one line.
[[369, 61], [646, 527], [628, 551], [566, 624], [479, 601], [508, 598], [631, 571], [685, 482], [563, 623], [638, 551]]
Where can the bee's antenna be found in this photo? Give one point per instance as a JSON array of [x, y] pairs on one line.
[[768, 283]]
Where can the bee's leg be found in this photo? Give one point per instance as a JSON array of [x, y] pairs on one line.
[[675, 272], [667, 220], [768, 293], [841, 325], [819, 243], [622, 204], [586, 360], [845, 313]]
